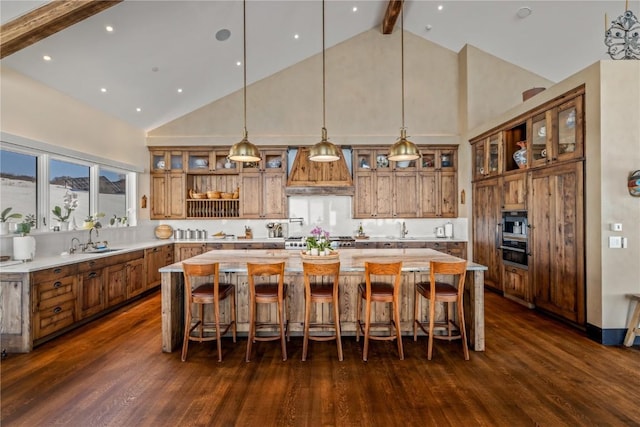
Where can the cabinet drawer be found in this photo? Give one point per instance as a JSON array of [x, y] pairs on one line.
[[54, 290], [54, 318], [438, 246], [92, 265], [53, 273]]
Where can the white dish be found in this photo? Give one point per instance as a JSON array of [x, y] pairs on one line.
[[382, 161]]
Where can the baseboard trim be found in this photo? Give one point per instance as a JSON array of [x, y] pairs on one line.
[[614, 336]]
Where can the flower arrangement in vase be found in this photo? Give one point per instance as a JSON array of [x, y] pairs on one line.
[[69, 204], [318, 243]]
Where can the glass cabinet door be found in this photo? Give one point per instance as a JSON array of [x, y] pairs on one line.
[[569, 136], [176, 160], [493, 163], [540, 139], [478, 160], [428, 159], [447, 159], [364, 160]]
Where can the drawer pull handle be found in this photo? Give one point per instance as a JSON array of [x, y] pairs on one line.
[[57, 310], [93, 274], [57, 270], [57, 284]]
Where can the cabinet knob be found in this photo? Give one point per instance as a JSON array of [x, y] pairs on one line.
[[57, 310], [57, 284]]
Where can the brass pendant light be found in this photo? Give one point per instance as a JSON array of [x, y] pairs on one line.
[[403, 149], [244, 151], [324, 151]]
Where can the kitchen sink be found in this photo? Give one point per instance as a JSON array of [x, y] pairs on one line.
[[100, 251]]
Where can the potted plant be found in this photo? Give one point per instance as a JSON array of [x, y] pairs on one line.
[[70, 203], [24, 246], [92, 221], [5, 216], [318, 243]]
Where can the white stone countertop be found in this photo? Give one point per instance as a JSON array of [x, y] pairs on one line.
[[235, 260], [41, 263]]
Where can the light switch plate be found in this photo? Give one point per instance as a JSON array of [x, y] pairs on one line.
[[615, 242], [616, 227]]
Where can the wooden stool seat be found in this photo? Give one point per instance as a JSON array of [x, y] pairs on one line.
[[324, 289], [442, 289], [633, 330], [374, 291], [267, 293], [202, 286]]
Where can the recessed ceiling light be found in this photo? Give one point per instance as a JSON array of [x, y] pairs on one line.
[[238, 63], [223, 35], [46, 58], [296, 36], [179, 90], [523, 12], [428, 27], [355, 8], [440, 7], [138, 109], [109, 28], [155, 69], [103, 90]]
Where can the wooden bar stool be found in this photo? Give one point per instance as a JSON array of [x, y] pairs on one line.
[[202, 286], [633, 329], [384, 292], [437, 291], [323, 290], [267, 293]]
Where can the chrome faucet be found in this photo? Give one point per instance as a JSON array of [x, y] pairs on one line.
[[73, 248], [90, 243], [404, 230]]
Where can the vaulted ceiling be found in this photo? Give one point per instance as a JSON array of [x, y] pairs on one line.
[[168, 58]]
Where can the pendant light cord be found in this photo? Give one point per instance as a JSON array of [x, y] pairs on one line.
[[402, 56], [244, 61], [324, 108]]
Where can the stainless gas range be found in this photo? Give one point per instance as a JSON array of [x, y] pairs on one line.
[[337, 242]]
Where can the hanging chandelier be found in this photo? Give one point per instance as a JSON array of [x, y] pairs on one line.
[[622, 38], [403, 149], [244, 151], [324, 151]]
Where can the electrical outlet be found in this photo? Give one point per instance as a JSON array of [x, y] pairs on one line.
[[616, 227], [615, 242]]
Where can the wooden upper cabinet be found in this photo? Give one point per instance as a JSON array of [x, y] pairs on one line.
[[422, 188], [487, 156], [167, 161], [168, 196], [540, 139], [568, 131], [514, 191], [262, 186]]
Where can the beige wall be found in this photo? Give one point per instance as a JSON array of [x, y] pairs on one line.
[[363, 99], [35, 111], [39, 113]]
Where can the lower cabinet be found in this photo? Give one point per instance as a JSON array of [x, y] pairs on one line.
[[53, 299], [65, 296], [91, 295], [136, 277], [515, 282], [156, 258]]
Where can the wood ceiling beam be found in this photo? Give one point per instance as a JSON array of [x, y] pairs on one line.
[[391, 16], [47, 20]]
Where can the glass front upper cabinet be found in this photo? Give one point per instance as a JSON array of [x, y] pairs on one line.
[[167, 161], [568, 143], [486, 156], [540, 139]]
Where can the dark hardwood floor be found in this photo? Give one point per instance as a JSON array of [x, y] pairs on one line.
[[535, 371]]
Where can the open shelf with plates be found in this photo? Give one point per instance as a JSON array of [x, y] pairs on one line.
[[213, 208]]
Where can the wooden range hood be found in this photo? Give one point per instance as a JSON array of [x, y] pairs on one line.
[[318, 178]]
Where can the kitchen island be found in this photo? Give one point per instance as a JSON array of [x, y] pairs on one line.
[[233, 268]]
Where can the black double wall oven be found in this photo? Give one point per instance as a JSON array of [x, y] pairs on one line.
[[515, 239]]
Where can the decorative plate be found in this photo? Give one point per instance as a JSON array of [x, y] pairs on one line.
[[382, 161]]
